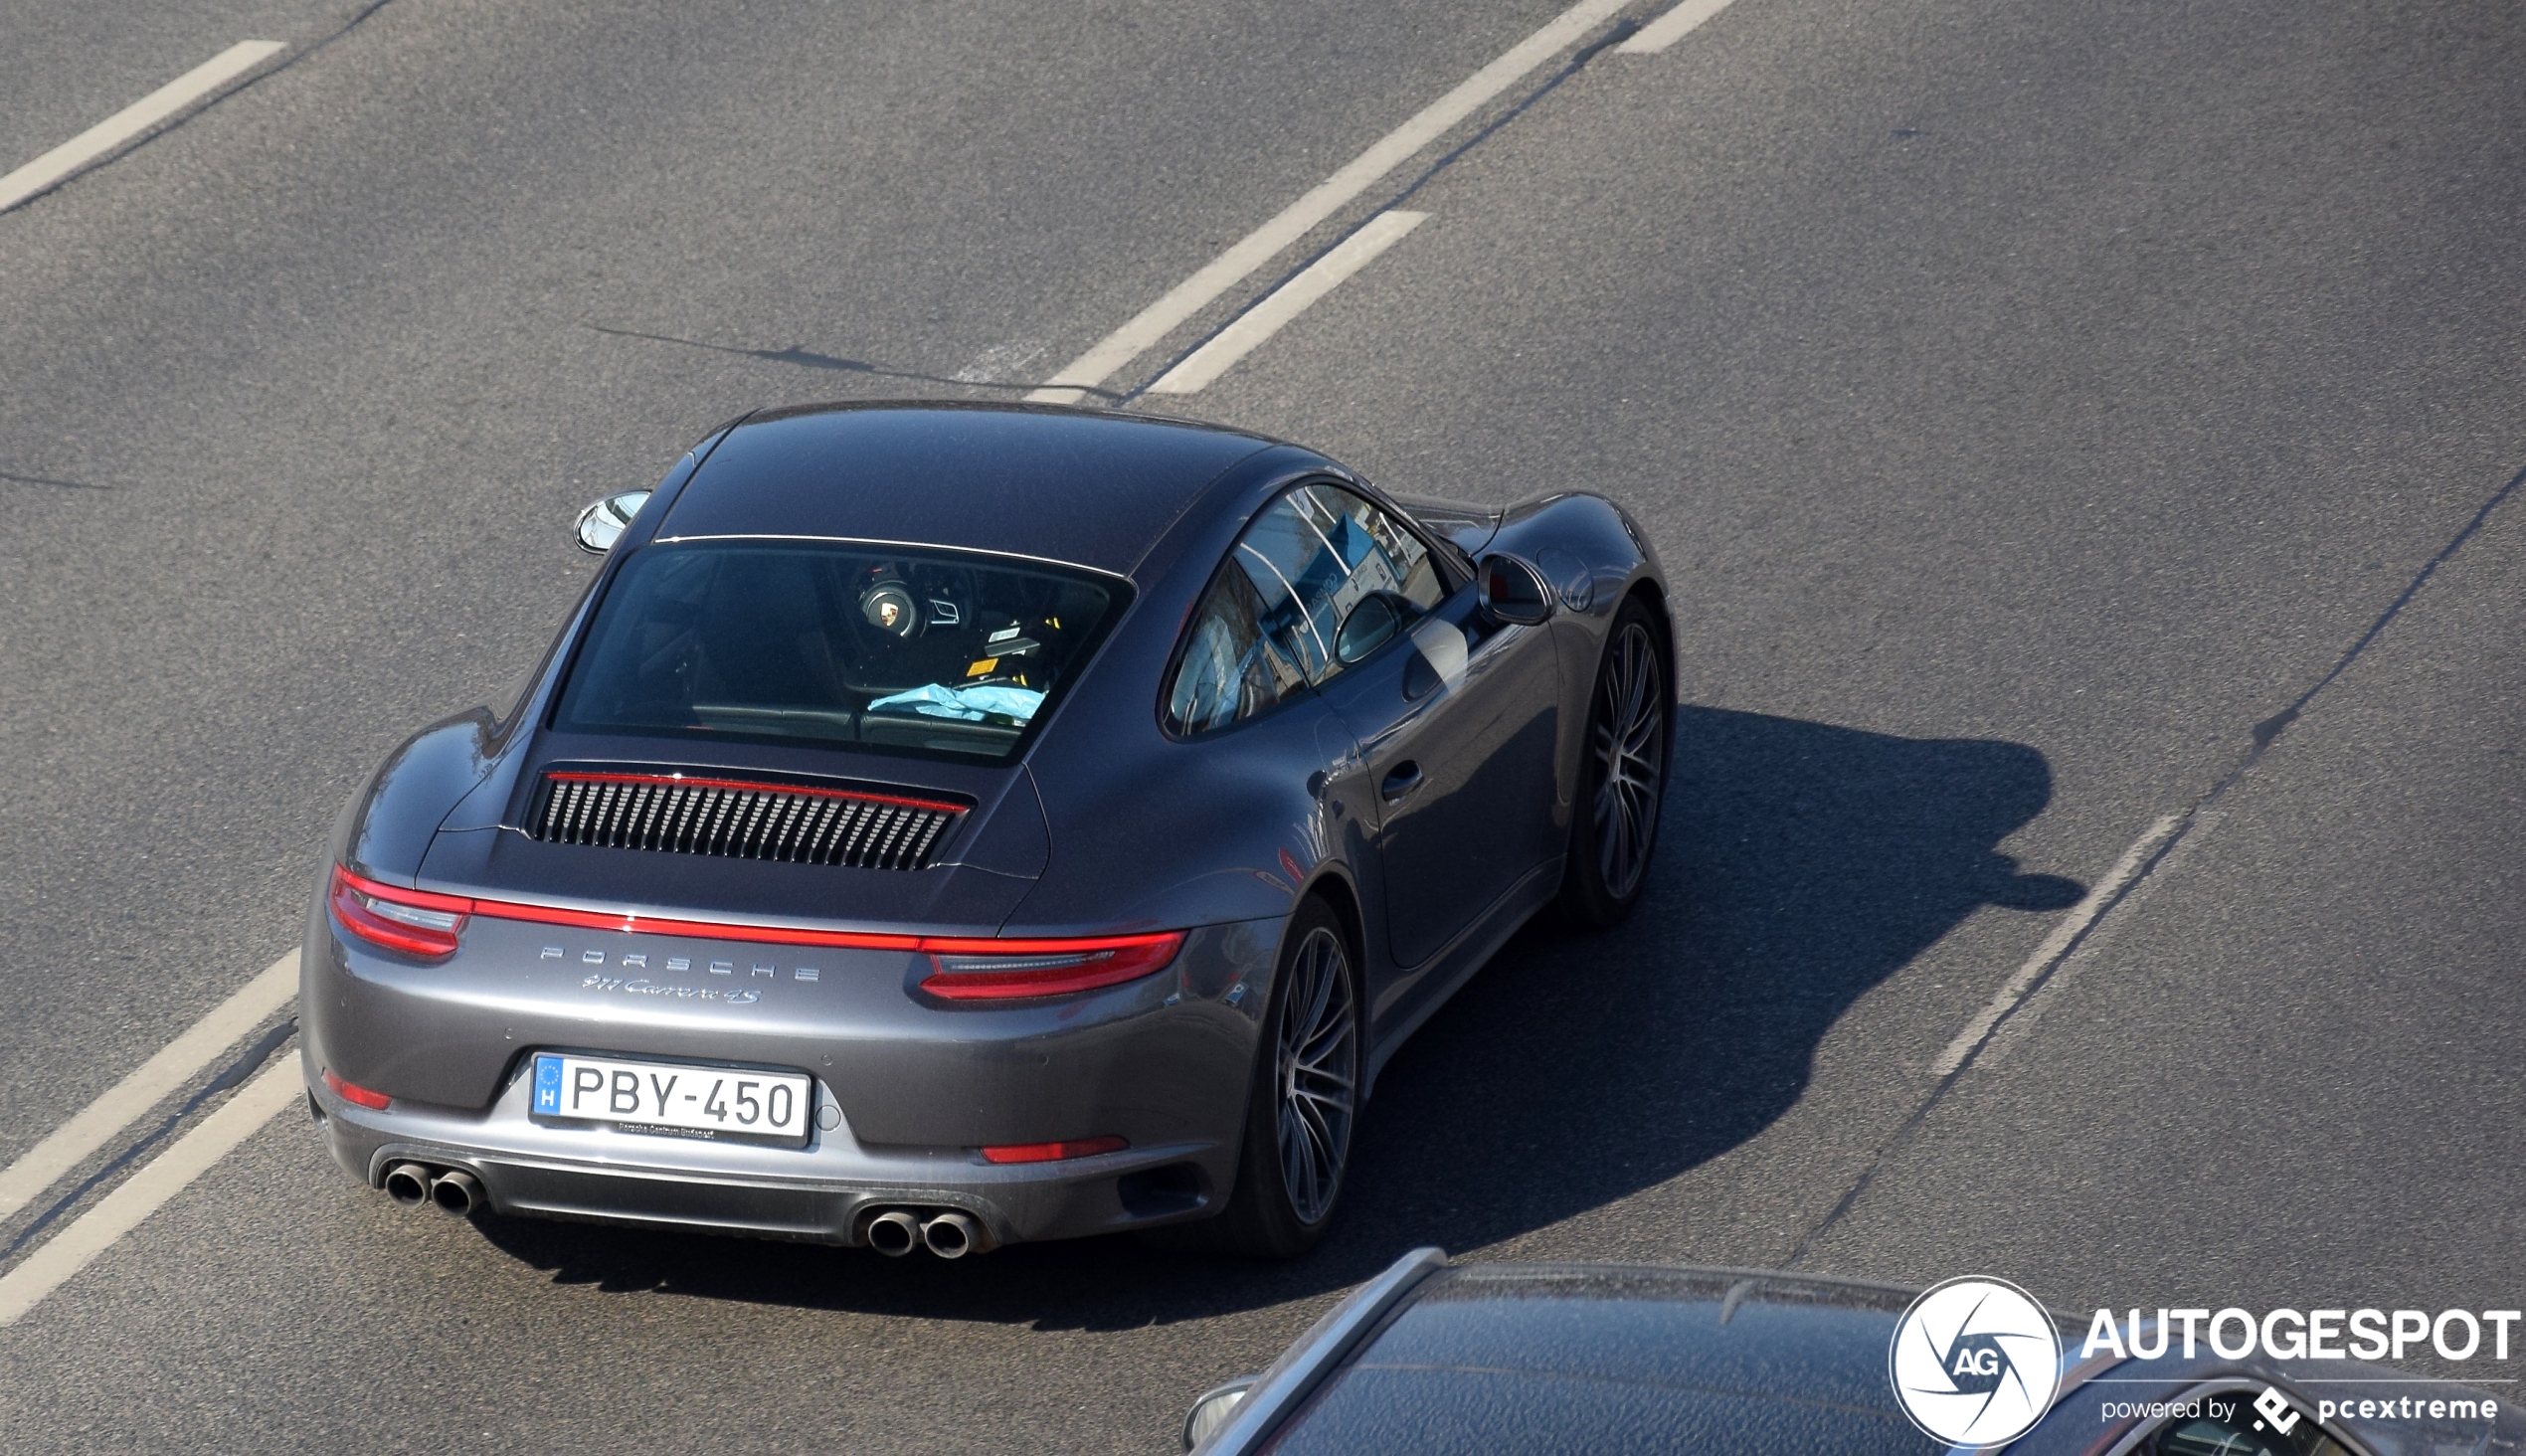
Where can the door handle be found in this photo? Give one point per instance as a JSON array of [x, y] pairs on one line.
[[1403, 780]]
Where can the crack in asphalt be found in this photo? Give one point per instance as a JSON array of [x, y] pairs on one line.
[[804, 358], [18, 480]]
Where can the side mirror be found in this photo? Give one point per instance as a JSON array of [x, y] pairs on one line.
[[600, 524], [1374, 621], [1214, 1407], [1512, 591]]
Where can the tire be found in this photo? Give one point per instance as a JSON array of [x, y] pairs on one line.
[[1622, 775], [1286, 1195]]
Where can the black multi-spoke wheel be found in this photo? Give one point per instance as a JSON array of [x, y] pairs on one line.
[[1306, 1097], [1317, 1074], [1624, 776]]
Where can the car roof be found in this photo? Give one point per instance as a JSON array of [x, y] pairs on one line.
[[1494, 1357], [1076, 485], [1650, 1321]]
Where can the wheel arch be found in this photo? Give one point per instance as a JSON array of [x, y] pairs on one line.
[[1652, 596], [1341, 897]]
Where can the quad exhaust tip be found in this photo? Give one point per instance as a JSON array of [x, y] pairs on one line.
[[456, 1191], [894, 1233], [450, 1189], [408, 1184], [951, 1236], [946, 1232]]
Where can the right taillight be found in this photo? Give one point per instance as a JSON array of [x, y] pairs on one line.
[[1014, 970], [409, 922]]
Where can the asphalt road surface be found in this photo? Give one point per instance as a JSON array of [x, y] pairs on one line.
[[2039, 409]]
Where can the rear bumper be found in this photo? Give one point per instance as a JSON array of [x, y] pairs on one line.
[[823, 1193], [906, 1091]]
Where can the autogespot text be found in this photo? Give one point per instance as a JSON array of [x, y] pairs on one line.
[[2285, 1334]]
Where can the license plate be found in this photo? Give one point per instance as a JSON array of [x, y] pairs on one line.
[[673, 1099]]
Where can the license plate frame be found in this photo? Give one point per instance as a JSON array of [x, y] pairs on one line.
[[672, 1097]]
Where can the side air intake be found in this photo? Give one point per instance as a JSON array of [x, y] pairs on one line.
[[690, 814]]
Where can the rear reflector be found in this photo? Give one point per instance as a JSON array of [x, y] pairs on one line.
[[413, 922], [1008, 970], [1054, 1152], [354, 1092]]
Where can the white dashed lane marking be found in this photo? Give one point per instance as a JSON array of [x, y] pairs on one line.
[[1286, 302], [2056, 945], [200, 83], [175, 1064], [145, 1191], [1321, 202]]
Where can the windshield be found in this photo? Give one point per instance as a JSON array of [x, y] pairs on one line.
[[842, 646]]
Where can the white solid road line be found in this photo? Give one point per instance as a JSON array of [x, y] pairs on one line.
[[145, 1191], [98, 140], [1286, 302], [1669, 28], [1327, 197], [2058, 944], [178, 1062]]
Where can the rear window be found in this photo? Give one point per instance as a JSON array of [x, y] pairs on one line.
[[841, 645]]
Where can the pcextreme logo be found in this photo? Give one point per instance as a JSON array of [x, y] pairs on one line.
[[1975, 1361]]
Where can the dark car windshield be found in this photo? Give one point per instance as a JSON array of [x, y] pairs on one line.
[[835, 644]]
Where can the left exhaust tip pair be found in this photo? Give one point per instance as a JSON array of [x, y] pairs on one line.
[[453, 1190], [898, 1231]]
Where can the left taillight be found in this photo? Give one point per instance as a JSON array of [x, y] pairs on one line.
[[1012, 969], [409, 922]]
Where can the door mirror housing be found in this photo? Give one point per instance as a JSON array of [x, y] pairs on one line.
[[1373, 623], [1214, 1408], [1512, 591], [603, 522]]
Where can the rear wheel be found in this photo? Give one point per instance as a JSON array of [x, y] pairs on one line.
[[1623, 778], [1305, 1098]]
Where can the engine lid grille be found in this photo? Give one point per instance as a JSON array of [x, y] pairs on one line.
[[740, 818]]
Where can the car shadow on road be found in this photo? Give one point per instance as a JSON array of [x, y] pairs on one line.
[[1801, 864]]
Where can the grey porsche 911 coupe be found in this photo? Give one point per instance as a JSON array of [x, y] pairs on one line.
[[939, 826]]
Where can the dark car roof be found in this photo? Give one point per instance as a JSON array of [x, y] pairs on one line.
[[1080, 486], [1493, 1358], [1497, 1360]]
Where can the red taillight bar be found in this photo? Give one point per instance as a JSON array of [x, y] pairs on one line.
[[412, 922], [966, 968], [1053, 1151], [1007, 969]]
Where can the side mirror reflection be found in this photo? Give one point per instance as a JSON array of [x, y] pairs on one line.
[[601, 523], [1212, 1410], [1513, 591], [1374, 621]]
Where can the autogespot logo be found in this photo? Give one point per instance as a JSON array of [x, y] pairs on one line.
[[1975, 1361]]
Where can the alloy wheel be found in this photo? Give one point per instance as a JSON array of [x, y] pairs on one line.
[[1317, 1074], [1630, 748]]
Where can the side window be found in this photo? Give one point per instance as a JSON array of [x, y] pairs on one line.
[[1272, 616], [1230, 671]]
